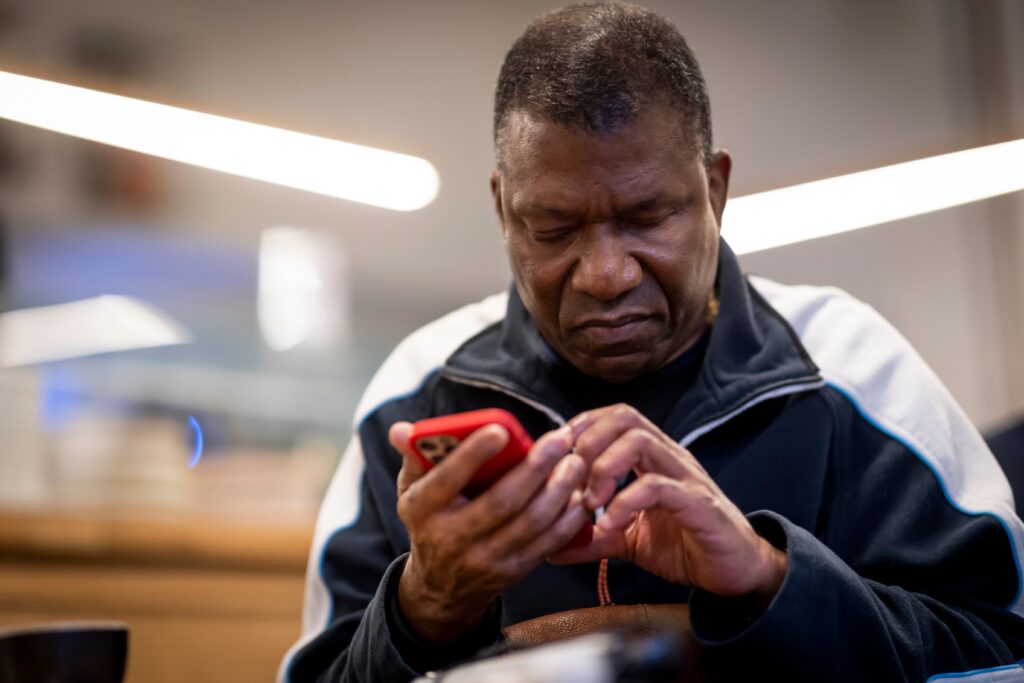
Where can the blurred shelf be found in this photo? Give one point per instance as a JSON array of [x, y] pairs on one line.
[[206, 599], [182, 540]]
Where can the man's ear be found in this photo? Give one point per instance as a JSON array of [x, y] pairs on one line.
[[496, 194], [496, 190], [718, 183]]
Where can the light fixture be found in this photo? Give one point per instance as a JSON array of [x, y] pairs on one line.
[[858, 200], [306, 162], [291, 287], [85, 327]]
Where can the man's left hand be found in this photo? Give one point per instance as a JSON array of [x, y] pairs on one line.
[[673, 520]]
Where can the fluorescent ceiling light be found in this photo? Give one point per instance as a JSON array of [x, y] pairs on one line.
[[284, 157], [291, 296], [82, 328], [858, 200]]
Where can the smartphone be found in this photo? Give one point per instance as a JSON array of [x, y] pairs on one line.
[[434, 438]]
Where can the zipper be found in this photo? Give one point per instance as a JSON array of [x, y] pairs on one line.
[[604, 594], [693, 435], [784, 390], [501, 389]]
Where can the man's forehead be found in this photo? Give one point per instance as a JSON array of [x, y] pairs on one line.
[[527, 139], [568, 206]]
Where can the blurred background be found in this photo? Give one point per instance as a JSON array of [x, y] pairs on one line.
[[101, 515]]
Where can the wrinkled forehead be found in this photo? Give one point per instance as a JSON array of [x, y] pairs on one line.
[[526, 140], [530, 145]]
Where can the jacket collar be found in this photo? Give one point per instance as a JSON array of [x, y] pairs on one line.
[[752, 354]]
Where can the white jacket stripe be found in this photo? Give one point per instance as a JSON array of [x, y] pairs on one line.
[[402, 374], [865, 358]]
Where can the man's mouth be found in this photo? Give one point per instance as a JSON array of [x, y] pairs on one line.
[[609, 330]]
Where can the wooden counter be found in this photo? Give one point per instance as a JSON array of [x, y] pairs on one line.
[[206, 600]]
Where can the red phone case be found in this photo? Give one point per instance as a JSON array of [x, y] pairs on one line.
[[434, 438]]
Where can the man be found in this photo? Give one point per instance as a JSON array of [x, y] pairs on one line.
[[777, 457]]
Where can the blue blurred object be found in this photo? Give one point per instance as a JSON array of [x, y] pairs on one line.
[[208, 286], [198, 452], [133, 260]]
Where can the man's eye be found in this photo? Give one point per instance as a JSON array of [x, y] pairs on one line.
[[646, 222], [551, 236]]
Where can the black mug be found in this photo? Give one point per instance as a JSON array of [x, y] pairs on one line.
[[68, 652]]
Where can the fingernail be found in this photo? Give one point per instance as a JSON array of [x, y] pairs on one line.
[[605, 522], [571, 469], [497, 436], [555, 448], [578, 424]]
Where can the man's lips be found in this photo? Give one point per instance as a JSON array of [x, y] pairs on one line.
[[610, 330], [612, 321]]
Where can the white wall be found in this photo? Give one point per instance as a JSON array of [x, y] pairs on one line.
[[800, 90]]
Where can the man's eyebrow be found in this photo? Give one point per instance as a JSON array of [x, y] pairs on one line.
[[659, 201], [541, 211]]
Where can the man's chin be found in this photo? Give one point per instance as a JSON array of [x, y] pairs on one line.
[[618, 368]]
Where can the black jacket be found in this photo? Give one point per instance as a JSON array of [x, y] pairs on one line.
[[811, 413]]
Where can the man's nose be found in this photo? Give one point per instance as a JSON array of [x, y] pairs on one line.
[[606, 269]]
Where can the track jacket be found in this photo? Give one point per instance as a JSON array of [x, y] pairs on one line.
[[810, 412]]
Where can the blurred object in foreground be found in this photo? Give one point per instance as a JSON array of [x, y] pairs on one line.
[[83, 651], [612, 657], [82, 328]]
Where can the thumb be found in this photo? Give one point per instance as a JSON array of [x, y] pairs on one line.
[[412, 467]]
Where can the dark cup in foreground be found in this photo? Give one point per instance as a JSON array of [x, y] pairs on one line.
[[68, 652]]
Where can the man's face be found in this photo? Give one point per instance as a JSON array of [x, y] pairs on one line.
[[612, 238]]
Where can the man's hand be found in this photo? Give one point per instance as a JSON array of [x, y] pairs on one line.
[[673, 520], [464, 553]]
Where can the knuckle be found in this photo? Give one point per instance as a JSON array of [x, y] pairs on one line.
[[480, 563], [447, 544], [534, 519], [472, 564], [511, 568], [585, 445], [407, 504], [637, 437], [708, 497], [600, 469], [501, 507], [661, 482], [656, 482], [622, 411]]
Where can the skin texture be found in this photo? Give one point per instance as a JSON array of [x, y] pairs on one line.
[[612, 238], [464, 553], [613, 243], [673, 520]]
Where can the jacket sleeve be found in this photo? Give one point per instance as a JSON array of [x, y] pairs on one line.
[[352, 564], [352, 627], [359, 542], [911, 573]]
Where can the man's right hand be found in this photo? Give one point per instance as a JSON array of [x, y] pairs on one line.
[[465, 553]]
